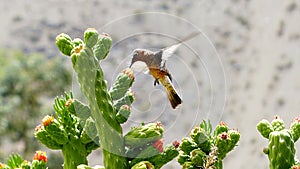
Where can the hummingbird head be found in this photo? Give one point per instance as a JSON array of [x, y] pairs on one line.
[[137, 55]]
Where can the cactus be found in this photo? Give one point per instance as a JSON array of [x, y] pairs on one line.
[[207, 149], [66, 131], [81, 126], [16, 161], [281, 150]]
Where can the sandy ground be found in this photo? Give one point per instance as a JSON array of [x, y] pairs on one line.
[[243, 67]]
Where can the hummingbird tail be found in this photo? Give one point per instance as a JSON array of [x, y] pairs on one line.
[[173, 97]]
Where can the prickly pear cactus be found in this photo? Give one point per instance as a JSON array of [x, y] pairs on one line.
[[281, 149], [68, 132], [205, 149]]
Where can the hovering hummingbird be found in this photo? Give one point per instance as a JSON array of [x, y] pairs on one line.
[[156, 64]]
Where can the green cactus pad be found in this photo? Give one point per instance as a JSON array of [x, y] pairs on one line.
[[102, 46], [64, 44], [90, 37], [265, 128], [281, 150], [93, 85], [89, 132], [45, 138], [122, 84], [126, 100], [142, 135], [123, 114]]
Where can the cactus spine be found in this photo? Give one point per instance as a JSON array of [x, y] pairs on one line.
[[281, 150]]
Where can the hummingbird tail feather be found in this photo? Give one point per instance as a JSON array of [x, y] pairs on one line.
[[173, 97]]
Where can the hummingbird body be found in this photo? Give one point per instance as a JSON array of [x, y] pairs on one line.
[[154, 60], [156, 63]]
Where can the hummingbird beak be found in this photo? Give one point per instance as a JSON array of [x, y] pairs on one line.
[[130, 64]]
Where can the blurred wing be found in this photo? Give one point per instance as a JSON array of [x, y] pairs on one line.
[[140, 67], [169, 51]]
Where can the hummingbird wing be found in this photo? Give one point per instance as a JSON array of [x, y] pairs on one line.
[[169, 51]]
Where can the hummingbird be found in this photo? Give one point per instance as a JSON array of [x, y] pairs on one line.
[[156, 64]]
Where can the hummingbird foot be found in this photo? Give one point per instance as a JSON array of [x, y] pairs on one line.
[[156, 82], [170, 77]]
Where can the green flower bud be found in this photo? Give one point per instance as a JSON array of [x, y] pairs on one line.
[[142, 135], [143, 165], [123, 114], [188, 165], [182, 158], [278, 124], [64, 44], [45, 138], [187, 145], [198, 157], [90, 37], [222, 127], [295, 128], [265, 128], [38, 164], [77, 42], [161, 159], [56, 133], [200, 137]]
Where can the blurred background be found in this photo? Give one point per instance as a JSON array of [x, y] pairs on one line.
[[243, 67]]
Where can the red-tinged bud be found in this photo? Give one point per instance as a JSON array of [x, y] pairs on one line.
[[40, 156], [297, 119], [159, 145], [176, 144], [69, 102], [47, 120], [224, 136], [38, 127], [296, 167], [129, 72], [125, 107], [105, 34], [222, 123], [158, 124]]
